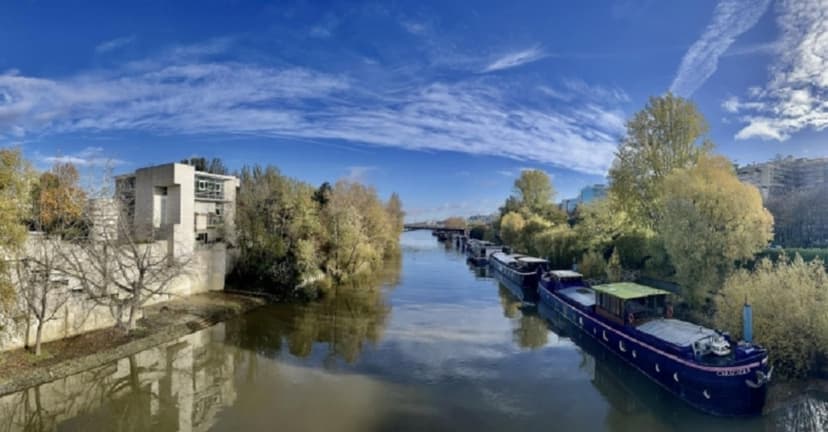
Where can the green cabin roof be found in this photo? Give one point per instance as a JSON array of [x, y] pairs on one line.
[[628, 290]]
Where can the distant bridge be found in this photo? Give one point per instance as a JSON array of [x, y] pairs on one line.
[[433, 227]]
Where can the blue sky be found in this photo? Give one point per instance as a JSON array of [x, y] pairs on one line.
[[443, 102]]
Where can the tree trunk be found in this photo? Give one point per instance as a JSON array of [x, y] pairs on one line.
[[38, 337]]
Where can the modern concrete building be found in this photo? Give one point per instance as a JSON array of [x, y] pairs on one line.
[[587, 195], [174, 202], [784, 175]]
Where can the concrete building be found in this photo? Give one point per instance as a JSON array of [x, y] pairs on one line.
[[785, 175], [174, 202]]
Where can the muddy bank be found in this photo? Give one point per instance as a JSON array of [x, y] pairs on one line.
[[162, 322]]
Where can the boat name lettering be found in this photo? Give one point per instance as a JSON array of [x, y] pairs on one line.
[[734, 372]]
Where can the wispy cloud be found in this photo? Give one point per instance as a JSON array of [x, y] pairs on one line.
[[358, 173], [88, 157], [184, 92], [114, 44], [515, 59], [731, 18], [795, 96]]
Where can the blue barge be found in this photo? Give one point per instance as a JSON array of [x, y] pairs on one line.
[[519, 271], [701, 366]]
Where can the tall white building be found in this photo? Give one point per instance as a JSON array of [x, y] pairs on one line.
[[175, 202]]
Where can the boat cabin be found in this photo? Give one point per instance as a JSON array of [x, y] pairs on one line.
[[527, 264], [562, 279], [630, 303]]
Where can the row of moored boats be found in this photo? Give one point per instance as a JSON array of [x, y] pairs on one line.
[[706, 368]]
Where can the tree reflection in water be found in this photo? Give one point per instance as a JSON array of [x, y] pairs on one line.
[[345, 320], [530, 331]]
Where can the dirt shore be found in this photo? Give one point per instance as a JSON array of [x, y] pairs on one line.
[[162, 322]]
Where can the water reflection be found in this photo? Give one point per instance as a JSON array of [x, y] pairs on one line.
[[530, 331], [347, 319], [427, 345], [177, 386]]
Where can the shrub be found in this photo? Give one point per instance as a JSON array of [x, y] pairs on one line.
[[789, 299], [592, 265]]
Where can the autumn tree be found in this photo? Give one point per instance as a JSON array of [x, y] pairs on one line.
[[359, 230], [710, 221], [58, 200], [534, 190], [789, 300], [669, 133]]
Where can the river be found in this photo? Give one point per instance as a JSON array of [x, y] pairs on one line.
[[431, 345]]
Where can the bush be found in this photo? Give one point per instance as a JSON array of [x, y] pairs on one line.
[[592, 265], [615, 273], [789, 299]]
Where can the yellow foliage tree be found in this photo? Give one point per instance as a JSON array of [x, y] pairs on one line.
[[789, 300], [511, 229], [710, 221], [59, 201]]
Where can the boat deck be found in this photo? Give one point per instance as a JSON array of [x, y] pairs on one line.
[[582, 295], [680, 333]]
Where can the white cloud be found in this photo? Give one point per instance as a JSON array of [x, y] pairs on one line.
[[796, 95], [114, 44], [515, 59], [88, 157], [731, 18], [358, 173], [182, 93]]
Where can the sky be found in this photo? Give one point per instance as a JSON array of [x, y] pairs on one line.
[[443, 102]]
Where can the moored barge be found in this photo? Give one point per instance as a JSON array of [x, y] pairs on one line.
[[519, 271], [701, 366]]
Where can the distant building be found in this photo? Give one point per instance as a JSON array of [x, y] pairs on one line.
[[175, 202], [587, 195], [782, 176]]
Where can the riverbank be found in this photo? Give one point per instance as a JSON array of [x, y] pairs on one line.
[[162, 322]]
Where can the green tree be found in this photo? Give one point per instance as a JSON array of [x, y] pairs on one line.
[[534, 190], [615, 273], [710, 221], [592, 265], [15, 185], [789, 300], [599, 225], [558, 244], [668, 134]]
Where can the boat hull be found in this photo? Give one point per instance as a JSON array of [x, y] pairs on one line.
[[715, 390], [524, 285]]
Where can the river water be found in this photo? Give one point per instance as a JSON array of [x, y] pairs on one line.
[[431, 345]]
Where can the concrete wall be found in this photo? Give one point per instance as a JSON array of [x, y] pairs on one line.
[[204, 271]]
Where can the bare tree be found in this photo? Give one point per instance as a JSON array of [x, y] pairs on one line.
[[119, 268], [42, 287]]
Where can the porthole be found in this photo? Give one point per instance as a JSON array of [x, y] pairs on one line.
[[675, 377], [658, 369], [706, 394], [621, 346], [634, 354], [604, 335]]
